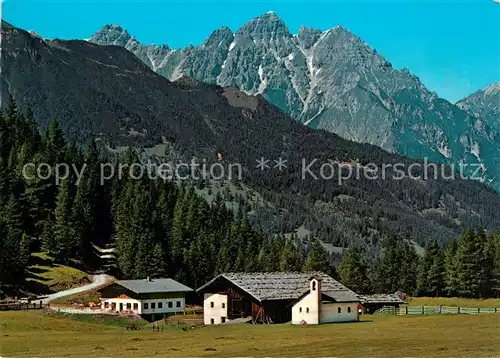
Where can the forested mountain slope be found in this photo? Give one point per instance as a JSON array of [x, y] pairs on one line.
[[330, 80], [106, 92]]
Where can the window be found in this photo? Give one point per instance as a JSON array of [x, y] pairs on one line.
[[106, 304], [136, 306], [170, 305], [160, 304], [223, 305], [223, 319], [146, 306], [349, 309], [211, 304], [339, 310], [314, 285], [211, 321], [153, 305], [300, 309], [307, 310], [178, 303], [129, 306]]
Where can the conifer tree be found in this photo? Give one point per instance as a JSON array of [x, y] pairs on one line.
[[354, 271], [451, 279], [12, 215], [495, 242], [32, 134], [290, 260], [177, 238], [408, 267], [48, 237], [436, 275], [488, 265], [81, 214], [63, 232], [423, 270], [317, 259], [126, 240], [389, 267], [158, 262], [11, 111], [469, 261], [55, 144], [24, 251], [223, 260], [143, 260]]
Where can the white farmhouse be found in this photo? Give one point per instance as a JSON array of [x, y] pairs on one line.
[[278, 297], [150, 298], [318, 305]]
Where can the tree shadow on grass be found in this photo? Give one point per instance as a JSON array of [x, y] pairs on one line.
[[37, 270], [39, 261], [37, 287]]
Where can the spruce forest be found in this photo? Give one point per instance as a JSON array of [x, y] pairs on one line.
[[163, 229]]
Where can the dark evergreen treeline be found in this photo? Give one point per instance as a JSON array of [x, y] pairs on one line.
[[166, 230], [36, 213], [162, 229], [467, 267]]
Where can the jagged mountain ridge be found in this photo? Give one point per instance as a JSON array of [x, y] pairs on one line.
[[485, 104], [108, 93], [329, 80]]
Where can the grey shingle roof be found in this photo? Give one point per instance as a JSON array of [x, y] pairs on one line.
[[155, 285], [381, 298], [283, 285], [341, 296]]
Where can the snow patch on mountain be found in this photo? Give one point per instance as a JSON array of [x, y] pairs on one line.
[[444, 150], [475, 150], [263, 81]]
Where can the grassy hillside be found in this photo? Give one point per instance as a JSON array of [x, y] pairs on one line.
[[45, 276], [28, 334]]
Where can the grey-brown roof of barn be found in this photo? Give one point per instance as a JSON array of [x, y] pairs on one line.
[[381, 298], [265, 286]]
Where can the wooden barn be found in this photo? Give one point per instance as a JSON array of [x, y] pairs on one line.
[[373, 303], [261, 297]]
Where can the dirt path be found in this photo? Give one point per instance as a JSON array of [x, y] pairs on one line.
[[97, 280]]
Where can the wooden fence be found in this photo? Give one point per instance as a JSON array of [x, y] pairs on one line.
[[9, 306], [433, 310]]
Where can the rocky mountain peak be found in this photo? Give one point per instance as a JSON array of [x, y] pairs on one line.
[[112, 34], [485, 103], [308, 36], [267, 26], [219, 37], [493, 89]]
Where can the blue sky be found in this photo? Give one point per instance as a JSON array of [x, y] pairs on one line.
[[453, 46]]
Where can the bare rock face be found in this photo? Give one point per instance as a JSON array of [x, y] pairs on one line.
[[333, 80], [484, 104]]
